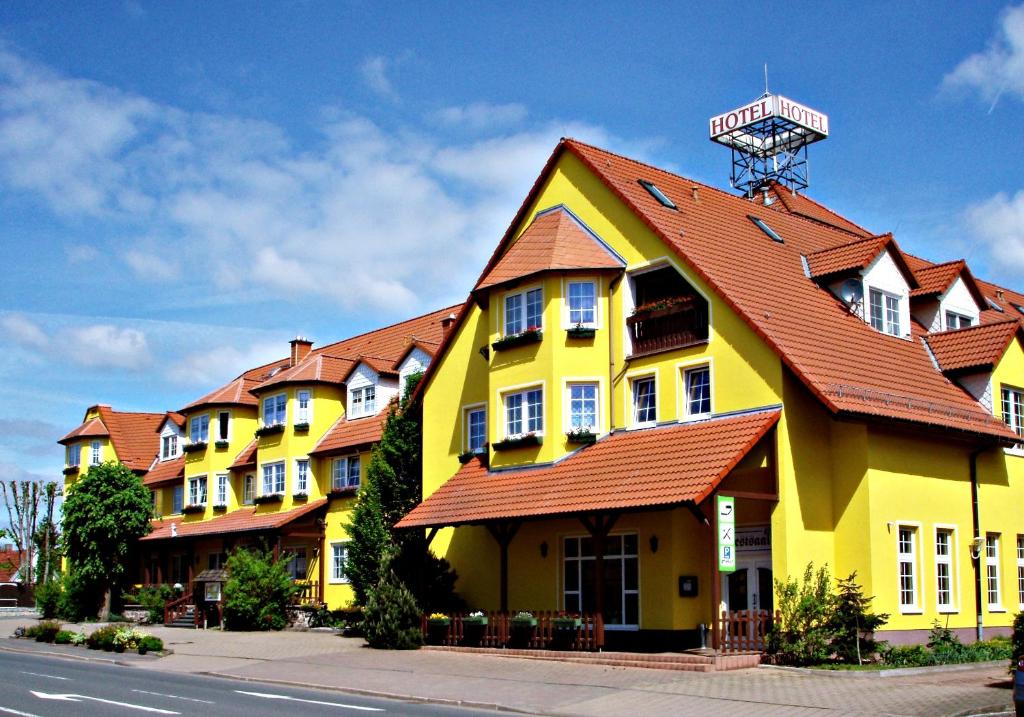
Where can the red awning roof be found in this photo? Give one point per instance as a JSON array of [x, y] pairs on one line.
[[661, 466], [247, 458], [165, 472], [242, 520], [975, 347], [346, 434]]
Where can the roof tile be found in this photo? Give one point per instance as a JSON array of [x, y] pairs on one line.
[[242, 520], [975, 347]]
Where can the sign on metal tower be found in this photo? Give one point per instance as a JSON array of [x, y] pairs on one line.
[[769, 139]]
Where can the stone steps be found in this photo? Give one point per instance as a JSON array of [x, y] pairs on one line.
[[679, 661]]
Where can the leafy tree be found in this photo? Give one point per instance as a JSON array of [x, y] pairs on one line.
[[852, 623], [258, 591], [392, 620], [105, 513], [806, 608]]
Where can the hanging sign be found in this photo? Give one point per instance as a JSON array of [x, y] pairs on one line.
[[726, 507]]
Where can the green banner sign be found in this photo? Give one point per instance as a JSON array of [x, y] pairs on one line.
[[726, 507]]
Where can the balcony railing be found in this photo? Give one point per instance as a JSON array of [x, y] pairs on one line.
[[677, 323], [308, 592]]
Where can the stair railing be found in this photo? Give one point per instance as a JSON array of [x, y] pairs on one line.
[[176, 608]]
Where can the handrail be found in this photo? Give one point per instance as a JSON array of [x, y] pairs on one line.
[[176, 608]]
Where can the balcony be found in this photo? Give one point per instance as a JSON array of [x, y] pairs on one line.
[[670, 323]]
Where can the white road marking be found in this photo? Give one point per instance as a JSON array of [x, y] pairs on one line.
[[79, 698], [9, 711], [40, 674], [309, 702], [176, 697]]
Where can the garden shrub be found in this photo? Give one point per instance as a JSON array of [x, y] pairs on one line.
[[47, 598], [47, 630], [945, 648], [29, 633], [908, 656], [79, 598], [1017, 642], [257, 592], [392, 619], [154, 599], [806, 607], [102, 638], [852, 624], [150, 643], [64, 637]]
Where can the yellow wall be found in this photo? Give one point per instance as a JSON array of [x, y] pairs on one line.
[[214, 460]]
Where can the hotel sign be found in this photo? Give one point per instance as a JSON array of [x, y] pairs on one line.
[[766, 108], [726, 521]]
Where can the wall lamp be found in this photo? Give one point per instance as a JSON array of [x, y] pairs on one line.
[[544, 549], [976, 545], [654, 543]]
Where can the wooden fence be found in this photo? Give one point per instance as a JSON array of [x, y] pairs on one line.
[[503, 630], [745, 630]]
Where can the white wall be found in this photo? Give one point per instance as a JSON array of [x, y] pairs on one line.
[[959, 300], [416, 362], [884, 274], [363, 375], [979, 385]]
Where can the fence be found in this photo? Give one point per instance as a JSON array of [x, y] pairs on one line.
[[308, 593], [745, 630], [546, 630]]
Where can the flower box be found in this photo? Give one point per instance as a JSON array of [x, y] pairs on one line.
[[219, 508], [220, 445], [466, 457], [584, 437], [521, 631], [300, 497], [530, 336], [566, 623], [70, 470], [346, 492], [192, 509], [269, 430], [194, 447], [271, 498], [580, 332], [302, 427], [528, 439], [663, 307], [437, 630], [563, 632], [474, 628]]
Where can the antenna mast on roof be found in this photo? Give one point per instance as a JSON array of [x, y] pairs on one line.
[[769, 139]]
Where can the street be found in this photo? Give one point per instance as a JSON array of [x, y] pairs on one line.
[[39, 686]]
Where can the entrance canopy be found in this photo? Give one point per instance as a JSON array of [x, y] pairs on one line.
[[648, 468], [242, 520]]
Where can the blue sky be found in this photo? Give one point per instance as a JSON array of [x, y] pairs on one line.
[[186, 186]]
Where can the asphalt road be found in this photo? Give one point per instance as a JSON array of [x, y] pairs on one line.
[[39, 686]]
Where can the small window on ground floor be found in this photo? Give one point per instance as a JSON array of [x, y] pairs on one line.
[[907, 563], [296, 565], [992, 570], [339, 560]]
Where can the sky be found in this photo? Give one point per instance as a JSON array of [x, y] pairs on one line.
[[186, 186]]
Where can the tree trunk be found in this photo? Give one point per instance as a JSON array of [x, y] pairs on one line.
[[105, 610]]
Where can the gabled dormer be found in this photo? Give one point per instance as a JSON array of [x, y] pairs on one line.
[[872, 278], [947, 297], [415, 359], [969, 356], [172, 437], [370, 385]]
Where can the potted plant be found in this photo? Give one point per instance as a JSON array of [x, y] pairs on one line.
[[518, 440], [531, 335], [438, 626], [220, 444], [193, 508], [269, 430], [581, 434], [269, 498], [474, 627], [219, 507], [300, 496], [302, 427], [564, 629], [194, 447], [521, 629], [579, 331]]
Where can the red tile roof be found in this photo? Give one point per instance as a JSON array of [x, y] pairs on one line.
[[846, 257], [243, 520], [976, 347], [237, 391], [247, 458], [176, 418], [316, 368], [554, 240], [347, 434], [10, 562], [936, 279], [133, 435], [788, 201], [165, 472], [93, 428], [429, 348], [660, 466]]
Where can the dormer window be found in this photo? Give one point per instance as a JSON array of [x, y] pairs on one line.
[[362, 401], [885, 312], [957, 321], [168, 447]]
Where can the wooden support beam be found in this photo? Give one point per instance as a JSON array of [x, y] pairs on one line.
[[750, 495], [503, 533], [599, 525], [716, 576], [431, 534]]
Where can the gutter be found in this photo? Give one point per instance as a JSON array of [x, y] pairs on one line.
[[977, 545]]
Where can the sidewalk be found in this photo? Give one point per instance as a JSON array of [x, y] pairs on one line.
[[555, 688]]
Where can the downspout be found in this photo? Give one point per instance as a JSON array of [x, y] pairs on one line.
[[976, 554], [613, 326]]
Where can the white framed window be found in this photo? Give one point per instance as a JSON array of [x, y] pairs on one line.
[[304, 406], [645, 402], [476, 428], [178, 499], [345, 473], [221, 497], [197, 490], [945, 577], [524, 310], [339, 561], [582, 303], [622, 578], [697, 384], [583, 406], [302, 475], [907, 559], [992, 571], [885, 311], [168, 446], [73, 455], [296, 565], [274, 408], [1020, 570], [95, 453], [273, 478], [223, 425], [362, 401], [1013, 409], [199, 429], [524, 412], [249, 489], [956, 321]]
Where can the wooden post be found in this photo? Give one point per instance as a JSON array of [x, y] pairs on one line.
[[503, 533], [599, 526], [716, 577], [323, 566]]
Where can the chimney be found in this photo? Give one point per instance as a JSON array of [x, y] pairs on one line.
[[694, 190], [301, 347], [446, 325]]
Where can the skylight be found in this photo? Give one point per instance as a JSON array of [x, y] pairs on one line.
[[766, 229], [1019, 308], [657, 194], [995, 306]]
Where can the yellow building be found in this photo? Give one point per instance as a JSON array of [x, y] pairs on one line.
[[661, 396], [273, 457]]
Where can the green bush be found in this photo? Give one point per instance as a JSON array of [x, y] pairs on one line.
[[48, 597], [257, 593], [1017, 643], [102, 638], [30, 632], [945, 648], [908, 656], [47, 630], [64, 637], [392, 620], [803, 634], [154, 599], [79, 598], [852, 624], [150, 643]]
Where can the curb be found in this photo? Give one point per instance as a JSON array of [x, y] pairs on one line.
[[69, 656], [375, 693], [895, 672]]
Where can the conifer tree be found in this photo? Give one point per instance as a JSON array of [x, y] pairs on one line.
[[392, 619]]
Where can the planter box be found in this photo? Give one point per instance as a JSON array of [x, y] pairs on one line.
[[524, 441], [580, 333], [437, 631], [300, 497], [70, 470], [270, 430], [521, 631], [301, 427], [220, 445], [583, 438], [530, 336], [473, 631], [219, 508], [264, 499], [193, 509], [563, 633], [348, 492], [194, 447]]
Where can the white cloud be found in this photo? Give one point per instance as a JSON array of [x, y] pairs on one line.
[[24, 332], [998, 223], [103, 345], [479, 116], [216, 366], [152, 266], [375, 74], [1000, 67]]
